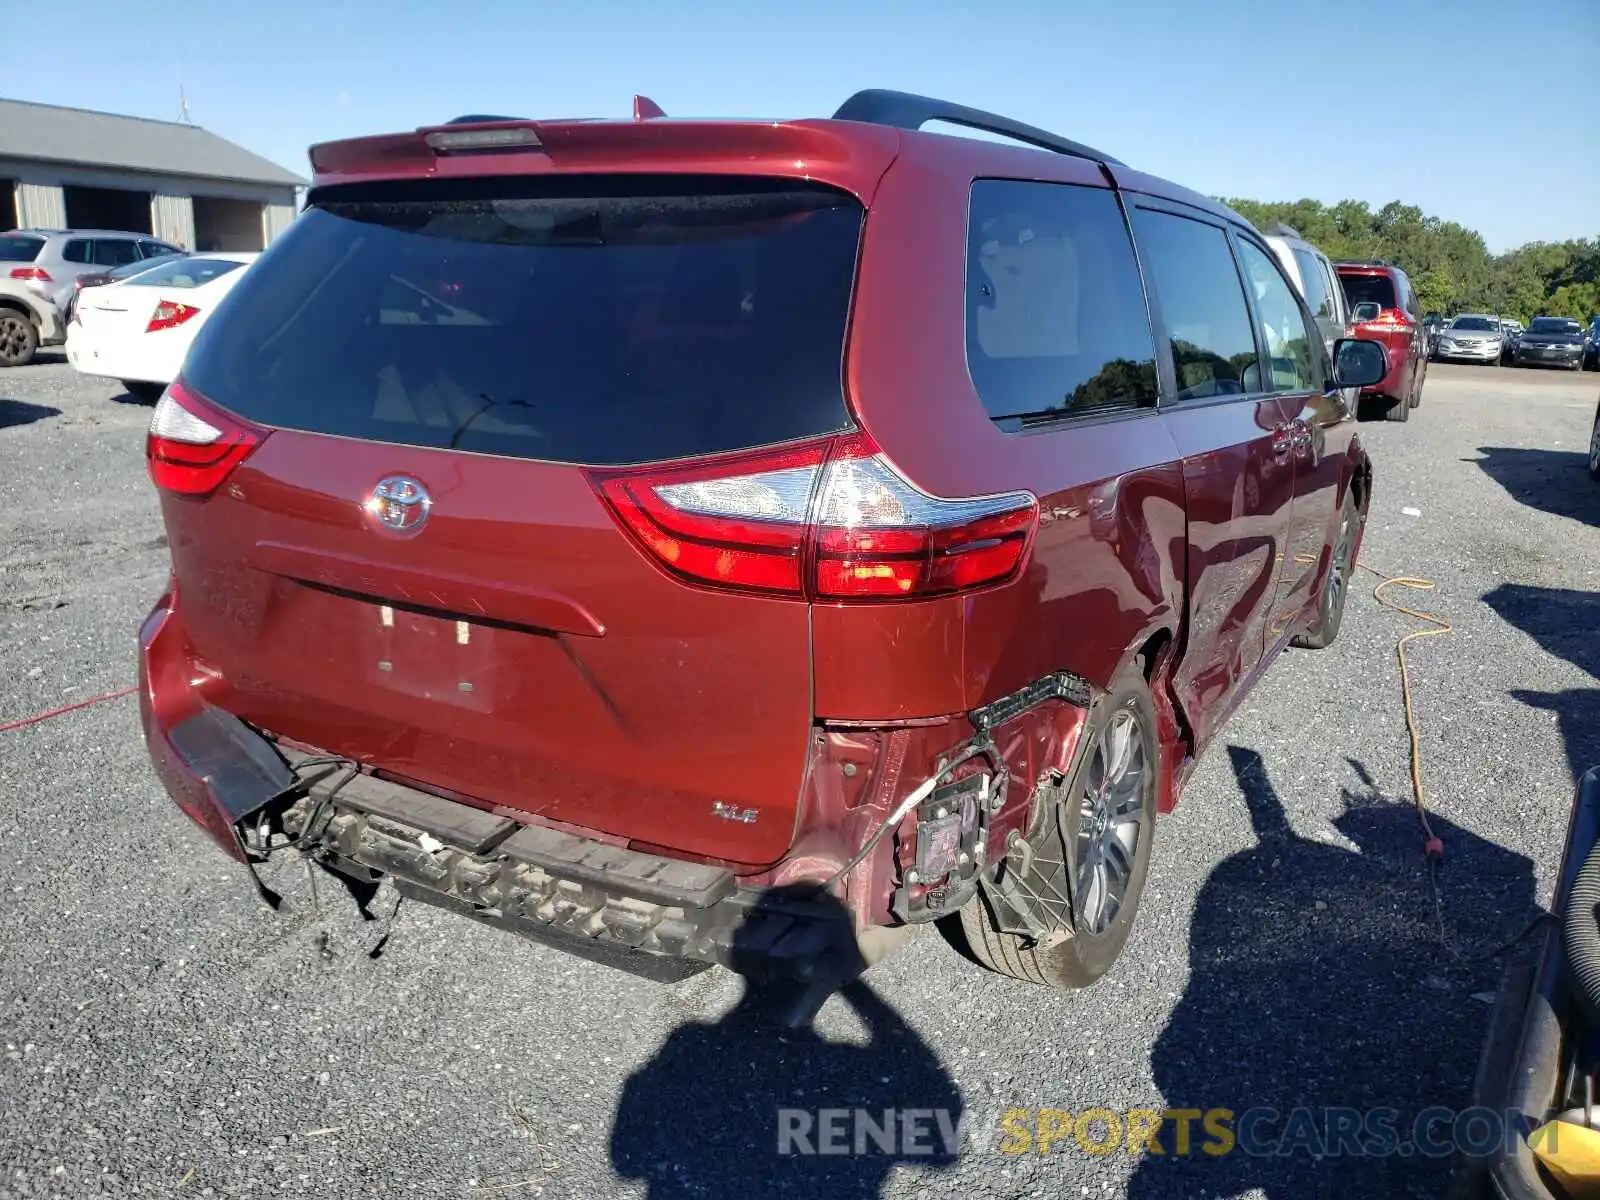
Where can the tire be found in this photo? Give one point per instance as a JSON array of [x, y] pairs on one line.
[[145, 392], [1416, 395], [1119, 744], [1336, 583], [19, 338], [1399, 410], [1594, 449]]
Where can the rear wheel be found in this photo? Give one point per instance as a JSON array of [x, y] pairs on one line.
[[1083, 867], [1398, 410], [1336, 584], [149, 393], [1594, 449], [19, 338]]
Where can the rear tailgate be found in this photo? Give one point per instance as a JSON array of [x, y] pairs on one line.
[[478, 345]]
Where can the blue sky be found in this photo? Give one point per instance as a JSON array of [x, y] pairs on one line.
[[1485, 112]]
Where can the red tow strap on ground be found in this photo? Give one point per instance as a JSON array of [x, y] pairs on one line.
[[65, 708]]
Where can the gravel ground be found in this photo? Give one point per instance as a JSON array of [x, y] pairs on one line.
[[165, 1035]]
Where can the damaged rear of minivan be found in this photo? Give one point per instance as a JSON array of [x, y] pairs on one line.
[[503, 498]]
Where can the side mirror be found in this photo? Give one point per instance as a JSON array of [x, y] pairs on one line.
[[1358, 363], [1367, 310]]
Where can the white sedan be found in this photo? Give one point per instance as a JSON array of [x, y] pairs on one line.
[[138, 330]]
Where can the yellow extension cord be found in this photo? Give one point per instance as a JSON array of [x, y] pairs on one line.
[[1438, 626]]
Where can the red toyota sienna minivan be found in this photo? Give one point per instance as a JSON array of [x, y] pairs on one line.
[[600, 527]]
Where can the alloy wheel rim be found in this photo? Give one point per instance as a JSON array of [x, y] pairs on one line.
[[1339, 570], [1111, 820], [12, 337], [1594, 447]]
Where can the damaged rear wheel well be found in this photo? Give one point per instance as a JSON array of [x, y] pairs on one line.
[[1361, 485], [1153, 652]]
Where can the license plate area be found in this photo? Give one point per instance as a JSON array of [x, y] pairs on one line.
[[435, 658]]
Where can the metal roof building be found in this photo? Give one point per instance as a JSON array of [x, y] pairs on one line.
[[73, 168]]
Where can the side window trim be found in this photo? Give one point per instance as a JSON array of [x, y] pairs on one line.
[[1168, 399], [1341, 306], [1313, 333], [1166, 379]]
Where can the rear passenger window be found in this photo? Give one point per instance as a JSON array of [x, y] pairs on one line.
[[114, 252], [1202, 302], [1318, 300], [1056, 318], [1294, 364], [79, 250]]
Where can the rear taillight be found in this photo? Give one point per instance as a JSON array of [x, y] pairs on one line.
[[35, 274], [193, 446], [1394, 318], [828, 521], [168, 314]]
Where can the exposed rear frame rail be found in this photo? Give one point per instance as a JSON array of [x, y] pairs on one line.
[[905, 110]]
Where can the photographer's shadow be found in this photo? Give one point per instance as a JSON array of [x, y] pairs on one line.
[[1318, 980], [741, 1106]]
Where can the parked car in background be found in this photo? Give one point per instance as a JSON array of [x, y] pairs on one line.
[[27, 321], [1393, 319], [1594, 447], [472, 454], [1510, 334], [1433, 323], [138, 331], [1553, 342], [1591, 345], [126, 271], [1471, 337], [50, 260], [1311, 272]]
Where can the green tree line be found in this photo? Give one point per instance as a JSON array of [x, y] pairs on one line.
[[1449, 265]]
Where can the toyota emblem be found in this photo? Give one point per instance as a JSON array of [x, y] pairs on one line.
[[399, 504]]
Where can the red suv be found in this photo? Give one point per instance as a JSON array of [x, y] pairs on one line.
[[600, 526], [1384, 309]]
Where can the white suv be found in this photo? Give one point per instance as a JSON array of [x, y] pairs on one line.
[[1317, 282], [1312, 273], [48, 261]]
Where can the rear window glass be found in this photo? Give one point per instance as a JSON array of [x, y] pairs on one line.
[[20, 249], [140, 267], [1368, 289], [582, 320], [1056, 318], [187, 272]]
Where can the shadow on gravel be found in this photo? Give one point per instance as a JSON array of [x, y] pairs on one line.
[[1318, 982], [708, 1115], [137, 401], [20, 412], [1565, 623], [1555, 480]]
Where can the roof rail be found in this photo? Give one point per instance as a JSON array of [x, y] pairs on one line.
[[903, 110]]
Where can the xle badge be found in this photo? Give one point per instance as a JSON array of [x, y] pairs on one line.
[[732, 812]]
